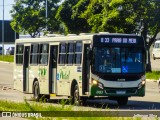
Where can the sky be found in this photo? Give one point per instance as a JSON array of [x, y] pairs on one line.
[[7, 7]]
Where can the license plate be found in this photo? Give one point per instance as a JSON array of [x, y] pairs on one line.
[[121, 92]]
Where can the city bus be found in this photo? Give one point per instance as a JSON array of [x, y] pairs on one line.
[[81, 67]]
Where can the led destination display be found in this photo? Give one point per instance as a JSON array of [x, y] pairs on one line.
[[117, 40]]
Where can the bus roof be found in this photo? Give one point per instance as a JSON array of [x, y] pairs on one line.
[[81, 37]]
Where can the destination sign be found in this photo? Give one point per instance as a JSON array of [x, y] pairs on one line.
[[118, 40]]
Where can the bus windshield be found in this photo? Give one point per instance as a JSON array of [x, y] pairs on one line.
[[118, 60]]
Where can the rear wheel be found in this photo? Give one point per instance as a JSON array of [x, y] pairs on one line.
[[75, 95], [36, 91], [122, 100]]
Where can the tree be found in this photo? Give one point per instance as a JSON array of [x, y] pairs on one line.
[[29, 16], [68, 15], [149, 12], [123, 15], [52, 23]]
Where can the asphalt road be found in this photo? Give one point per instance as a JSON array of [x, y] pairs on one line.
[[151, 101]]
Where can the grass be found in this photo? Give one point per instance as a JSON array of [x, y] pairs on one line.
[[153, 75], [7, 58], [33, 107]]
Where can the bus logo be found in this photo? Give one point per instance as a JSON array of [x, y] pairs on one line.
[[64, 74], [124, 69], [42, 71]]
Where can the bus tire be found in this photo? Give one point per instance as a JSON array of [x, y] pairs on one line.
[[122, 100], [75, 97], [36, 91]]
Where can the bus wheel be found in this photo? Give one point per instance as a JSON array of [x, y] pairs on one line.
[[36, 91], [76, 98], [122, 100]]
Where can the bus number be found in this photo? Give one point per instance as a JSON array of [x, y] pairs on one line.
[[104, 40]]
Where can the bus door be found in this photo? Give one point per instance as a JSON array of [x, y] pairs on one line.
[[85, 70], [26, 69], [53, 69]]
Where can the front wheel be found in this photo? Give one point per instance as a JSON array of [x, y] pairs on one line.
[[122, 100]]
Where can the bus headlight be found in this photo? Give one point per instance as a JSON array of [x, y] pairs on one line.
[[95, 82], [142, 83], [100, 85]]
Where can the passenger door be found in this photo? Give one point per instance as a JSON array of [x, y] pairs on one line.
[[53, 69], [26, 55], [85, 70]]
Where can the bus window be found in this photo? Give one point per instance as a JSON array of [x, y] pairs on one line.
[[34, 54], [70, 53], [117, 60], [44, 54], [62, 53], [157, 45], [19, 54], [78, 53]]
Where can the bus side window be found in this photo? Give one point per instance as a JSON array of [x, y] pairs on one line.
[[62, 53], [44, 54], [34, 54], [78, 53], [19, 54], [70, 53]]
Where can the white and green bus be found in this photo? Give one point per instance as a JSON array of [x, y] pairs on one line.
[[81, 67]]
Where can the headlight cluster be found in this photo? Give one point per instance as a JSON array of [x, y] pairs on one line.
[[96, 82], [142, 83]]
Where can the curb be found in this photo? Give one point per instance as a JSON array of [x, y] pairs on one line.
[[152, 80], [6, 62]]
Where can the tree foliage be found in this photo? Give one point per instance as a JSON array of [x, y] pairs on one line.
[[29, 16], [68, 14], [123, 15]]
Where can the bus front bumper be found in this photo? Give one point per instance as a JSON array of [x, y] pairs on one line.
[[117, 92]]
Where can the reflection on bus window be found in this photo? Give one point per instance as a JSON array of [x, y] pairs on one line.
[[117, 60], [19, 54], [44, 54]]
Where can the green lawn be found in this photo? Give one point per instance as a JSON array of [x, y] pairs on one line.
[[47, 111], [153, 75], [7, 58]]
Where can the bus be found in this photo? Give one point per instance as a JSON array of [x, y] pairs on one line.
[[81, 67]]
